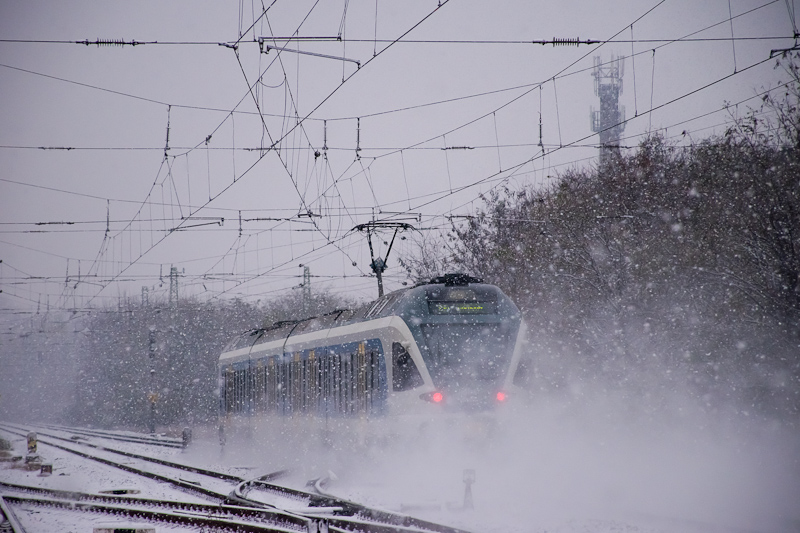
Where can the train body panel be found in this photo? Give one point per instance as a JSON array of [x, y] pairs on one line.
[[453, 344]]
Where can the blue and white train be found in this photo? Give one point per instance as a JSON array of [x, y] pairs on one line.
[[453, 344]]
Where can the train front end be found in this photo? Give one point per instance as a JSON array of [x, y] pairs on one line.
[[470, 338]]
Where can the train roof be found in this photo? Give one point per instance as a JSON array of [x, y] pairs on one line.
[[450, 287]]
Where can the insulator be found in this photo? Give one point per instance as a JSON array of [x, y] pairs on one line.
[[566, 41], [109, 42]]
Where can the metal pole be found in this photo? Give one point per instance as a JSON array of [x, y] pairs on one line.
[[469, 479], [306, 289], [377, 265], [152, 396], [378, 271]]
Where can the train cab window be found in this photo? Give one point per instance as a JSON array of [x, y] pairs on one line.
[[405, 375]]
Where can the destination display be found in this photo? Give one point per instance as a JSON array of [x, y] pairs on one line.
[[462, 308]]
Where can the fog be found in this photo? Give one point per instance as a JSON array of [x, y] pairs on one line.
[[659, 273], [633, 446], [594, 458]]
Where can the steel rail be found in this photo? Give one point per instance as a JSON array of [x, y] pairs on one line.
[[141, 506], [161, 462], [196, 520], [191, 487], [10, 517], [346, 515], [222, 511], [165, 442]]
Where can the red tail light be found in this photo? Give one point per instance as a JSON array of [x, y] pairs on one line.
[[433, 397], [501, 396]]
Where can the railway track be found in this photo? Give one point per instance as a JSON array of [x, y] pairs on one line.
[[182, 484], [165, 442], [231, 509], [8, 521], [146, 458], [219, 517]]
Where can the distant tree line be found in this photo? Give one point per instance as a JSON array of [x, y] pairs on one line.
[[681, 262], [105, 367], [161, 353], [169, 351]]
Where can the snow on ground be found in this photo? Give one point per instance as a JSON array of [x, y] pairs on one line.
[[72, 473], [597, 465], [39, 520], [558, 467]]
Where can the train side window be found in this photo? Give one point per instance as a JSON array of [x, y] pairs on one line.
[[405, 375]]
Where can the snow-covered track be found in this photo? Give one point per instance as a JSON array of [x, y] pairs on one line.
[[347, 515], [165, 442], [229, 502], [106, 499], [114, 502], [223, 517], [217, 519], [162, 462], [178, 483], [8, 521]]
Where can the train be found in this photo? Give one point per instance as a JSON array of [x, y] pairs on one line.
[[452, 344]]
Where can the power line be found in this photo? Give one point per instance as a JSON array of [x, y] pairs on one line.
[[300, 121], [133, 96], [686, 38], [261, 156], [648, 112], [517, 167], [568, 41], [560, 74], [298, 148]]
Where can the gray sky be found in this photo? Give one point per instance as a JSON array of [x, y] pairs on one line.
[[463, 83]]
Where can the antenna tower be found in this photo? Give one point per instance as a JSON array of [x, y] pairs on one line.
[[609, 121]]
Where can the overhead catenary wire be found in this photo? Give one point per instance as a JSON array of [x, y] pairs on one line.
[[284, 135], [553, 41], [211, 197], [300, 121], [104, 199], [261, 156], [756, 96], [650, 10], [648, 112], [530, 87], [686, 38], [297, 148], [652, 108]]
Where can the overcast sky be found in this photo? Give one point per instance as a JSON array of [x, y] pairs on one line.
[[177, 138]]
